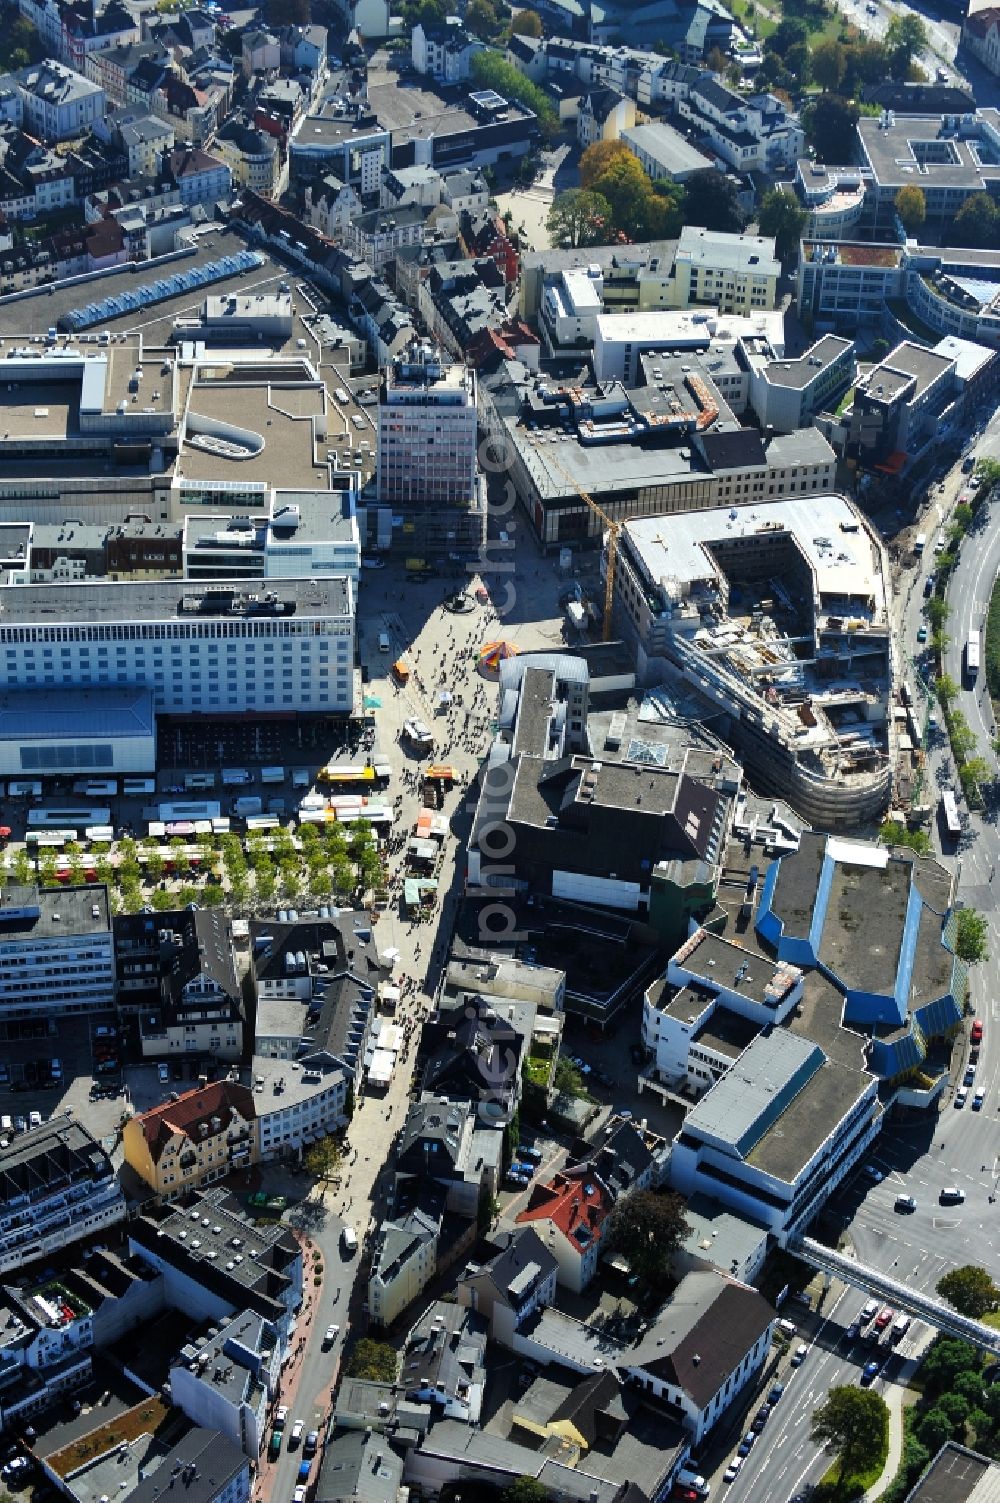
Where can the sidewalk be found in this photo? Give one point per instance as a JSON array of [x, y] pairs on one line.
[[894, 1400]]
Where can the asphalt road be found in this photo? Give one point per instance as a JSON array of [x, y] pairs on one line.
[[959, 1146]]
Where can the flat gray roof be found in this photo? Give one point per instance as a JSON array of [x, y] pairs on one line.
[[666, 146], [809, 1119], [60, 911], [161, 600], [681, 551], [740, 1107], [916, 150], [798, 373], [18, 314]]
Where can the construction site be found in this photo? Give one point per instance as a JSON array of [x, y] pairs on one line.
[[777, 615]]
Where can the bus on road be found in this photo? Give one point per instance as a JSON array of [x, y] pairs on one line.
[[949, 814], [972, 654]]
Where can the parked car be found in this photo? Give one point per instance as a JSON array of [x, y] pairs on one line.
[[733, 1469], [800, 1354], [961, 1097], [970, 1075], [874, 1174], [281, 1416], [761, 1418], [777, 1389], [853, 1330], [885, 1317], [905, 1203], [976, 1033], [746, 1444]]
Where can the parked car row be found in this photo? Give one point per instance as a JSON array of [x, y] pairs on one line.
[[760, 1419]]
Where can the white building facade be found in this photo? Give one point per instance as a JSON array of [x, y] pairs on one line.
[[201, 648]]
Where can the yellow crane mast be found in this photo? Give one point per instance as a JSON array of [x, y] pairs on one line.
[[614, 529]]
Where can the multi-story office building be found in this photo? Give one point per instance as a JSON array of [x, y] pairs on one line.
[[214, 1263], [56, 952], [776, 1135], [204, 648], [427, 446], [57, 1184]]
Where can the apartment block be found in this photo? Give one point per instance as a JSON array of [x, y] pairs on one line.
[[734, 273], [57, 1185], [55, 102], [199, 1138], [226, 1378]]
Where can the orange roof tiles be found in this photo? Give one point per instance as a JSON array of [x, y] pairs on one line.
[[220, 1098], [577, 1202]]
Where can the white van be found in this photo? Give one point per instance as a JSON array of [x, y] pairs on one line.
[[383, 641], [349, 1240], [687, 1478]]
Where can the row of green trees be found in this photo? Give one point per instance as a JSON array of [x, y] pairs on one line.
[[331, 860]]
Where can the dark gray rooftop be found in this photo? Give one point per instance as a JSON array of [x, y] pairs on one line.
[[208, 1463], [798, 373], [28, 913], [957, 1475], [172, 599]]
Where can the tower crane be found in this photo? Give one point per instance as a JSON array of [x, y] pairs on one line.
[[614, 530]]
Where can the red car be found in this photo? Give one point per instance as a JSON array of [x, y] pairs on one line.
[[976, 1036], [885, 1318]]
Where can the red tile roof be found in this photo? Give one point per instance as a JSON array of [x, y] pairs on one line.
[[577, 1202], [220, 1098]]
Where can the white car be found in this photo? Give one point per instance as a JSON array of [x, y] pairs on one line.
[[34, 1119], [330, 1335], [733, 1469], [163, 1071], [299, 1495], [281, 1416]]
